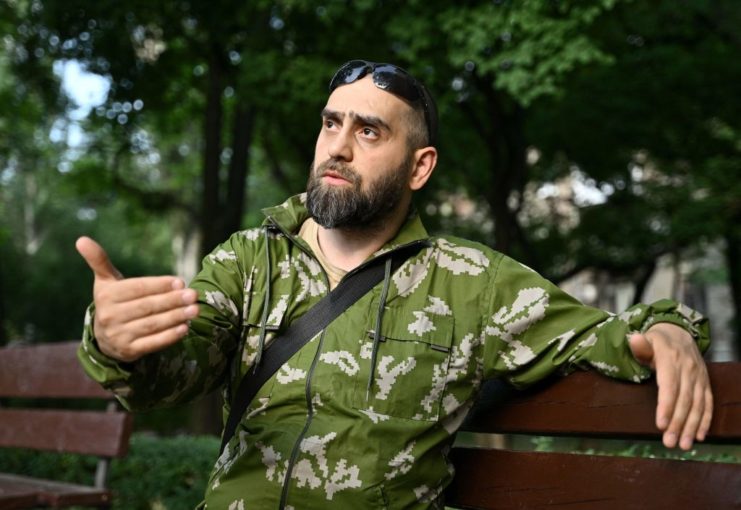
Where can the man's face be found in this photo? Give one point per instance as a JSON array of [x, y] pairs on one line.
[[362, 161]]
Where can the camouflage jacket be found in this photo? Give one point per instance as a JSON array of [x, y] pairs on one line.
[[354, 419]]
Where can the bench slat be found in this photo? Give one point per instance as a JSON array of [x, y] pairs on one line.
[[502, 479], [86, 432], [588, 404], [52, 372], [50, 493], [15, 496], [47, 370]]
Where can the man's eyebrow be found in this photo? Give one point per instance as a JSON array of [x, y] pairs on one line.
[[331, 114], [358, 118], [370, 120]]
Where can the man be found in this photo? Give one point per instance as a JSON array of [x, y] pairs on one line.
[[363, 414]]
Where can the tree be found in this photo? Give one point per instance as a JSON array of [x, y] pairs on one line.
[[667, 143], [213, 110]]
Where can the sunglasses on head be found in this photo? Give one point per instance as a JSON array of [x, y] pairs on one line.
[[392, 79]]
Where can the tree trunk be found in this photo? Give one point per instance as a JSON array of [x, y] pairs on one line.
[[186, 245], [644, 275], [223, 203], [733, 258], [509, 173], [212, 127], [502, 132], [3, 333], [206, 413], [239, 168]]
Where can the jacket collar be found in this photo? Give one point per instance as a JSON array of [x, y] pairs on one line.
[[291, 214]]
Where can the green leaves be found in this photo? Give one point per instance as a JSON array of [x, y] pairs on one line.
[[527, 47], [601, 86]]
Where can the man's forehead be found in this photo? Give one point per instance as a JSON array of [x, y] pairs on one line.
[[362, 99]]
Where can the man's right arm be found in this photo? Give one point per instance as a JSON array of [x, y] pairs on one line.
[[152, 341], [135, 316]]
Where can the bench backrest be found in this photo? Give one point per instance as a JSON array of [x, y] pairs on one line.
[[51, 371], [586, 404]]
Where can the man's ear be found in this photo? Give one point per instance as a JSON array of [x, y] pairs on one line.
[[425, 160]]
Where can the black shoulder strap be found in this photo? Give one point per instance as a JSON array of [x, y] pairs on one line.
[[354, 286]]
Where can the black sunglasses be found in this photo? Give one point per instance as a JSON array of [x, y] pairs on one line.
[[392, 79]]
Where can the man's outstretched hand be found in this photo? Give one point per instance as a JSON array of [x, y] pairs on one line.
[[135, 316], [685, 405]]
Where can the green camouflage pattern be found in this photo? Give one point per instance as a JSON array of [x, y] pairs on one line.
[[342, 426]]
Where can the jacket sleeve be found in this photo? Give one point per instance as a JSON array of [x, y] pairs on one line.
[[532, 329], [199, 362]]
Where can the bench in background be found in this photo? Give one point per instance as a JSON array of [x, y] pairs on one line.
[[44, 374], [585, 404]]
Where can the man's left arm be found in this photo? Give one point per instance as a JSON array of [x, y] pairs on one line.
[[685, 403], [533, 329]]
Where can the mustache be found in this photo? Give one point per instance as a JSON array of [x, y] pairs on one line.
[[340, 168]]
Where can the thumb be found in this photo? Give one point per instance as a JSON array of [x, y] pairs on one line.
[[97, 259], [642, 350]]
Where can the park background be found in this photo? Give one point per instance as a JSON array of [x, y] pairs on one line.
[[597, 142]]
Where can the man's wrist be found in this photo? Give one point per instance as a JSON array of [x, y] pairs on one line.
[[669, 331]]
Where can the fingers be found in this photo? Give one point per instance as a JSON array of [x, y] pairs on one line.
[[131, 289], [97, 259], [666, 379], [707, 416], [691, 425], [692, 414], [685, 403], [150, 305], [160, 340], [701, 414], [131, 329], [135, 316], [130, 341]]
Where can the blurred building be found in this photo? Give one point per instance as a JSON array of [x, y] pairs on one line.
[[712, 298]]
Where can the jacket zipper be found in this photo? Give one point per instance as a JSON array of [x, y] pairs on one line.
[[309, 418], [309, 404], [307, 387]]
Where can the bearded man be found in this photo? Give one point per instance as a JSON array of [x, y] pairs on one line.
[[361, 414]]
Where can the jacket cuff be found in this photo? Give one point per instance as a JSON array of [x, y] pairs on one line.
[[683, 316], [108, 372]]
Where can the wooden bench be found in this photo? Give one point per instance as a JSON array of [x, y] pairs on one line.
[[44, 374], [588, 405]]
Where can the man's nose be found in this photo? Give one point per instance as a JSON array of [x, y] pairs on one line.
[[340, 147]]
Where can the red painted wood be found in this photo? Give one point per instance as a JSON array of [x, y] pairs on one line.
[[52, 372], [15, 496], [86, 432], [588, 404], [46, 370], [50, 493], [506, 480]]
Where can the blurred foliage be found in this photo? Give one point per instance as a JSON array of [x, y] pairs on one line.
[[212, 110], [625, 448], [157, 473], [703, 452]]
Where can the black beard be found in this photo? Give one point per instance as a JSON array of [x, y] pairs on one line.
[[350, 206]]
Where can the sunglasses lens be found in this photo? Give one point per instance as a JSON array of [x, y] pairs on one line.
[[396, 81], [348, 73]]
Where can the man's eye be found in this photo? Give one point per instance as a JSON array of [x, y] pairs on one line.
[[369, 132]]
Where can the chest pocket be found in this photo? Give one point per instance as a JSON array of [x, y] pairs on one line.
[[411, 365]]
